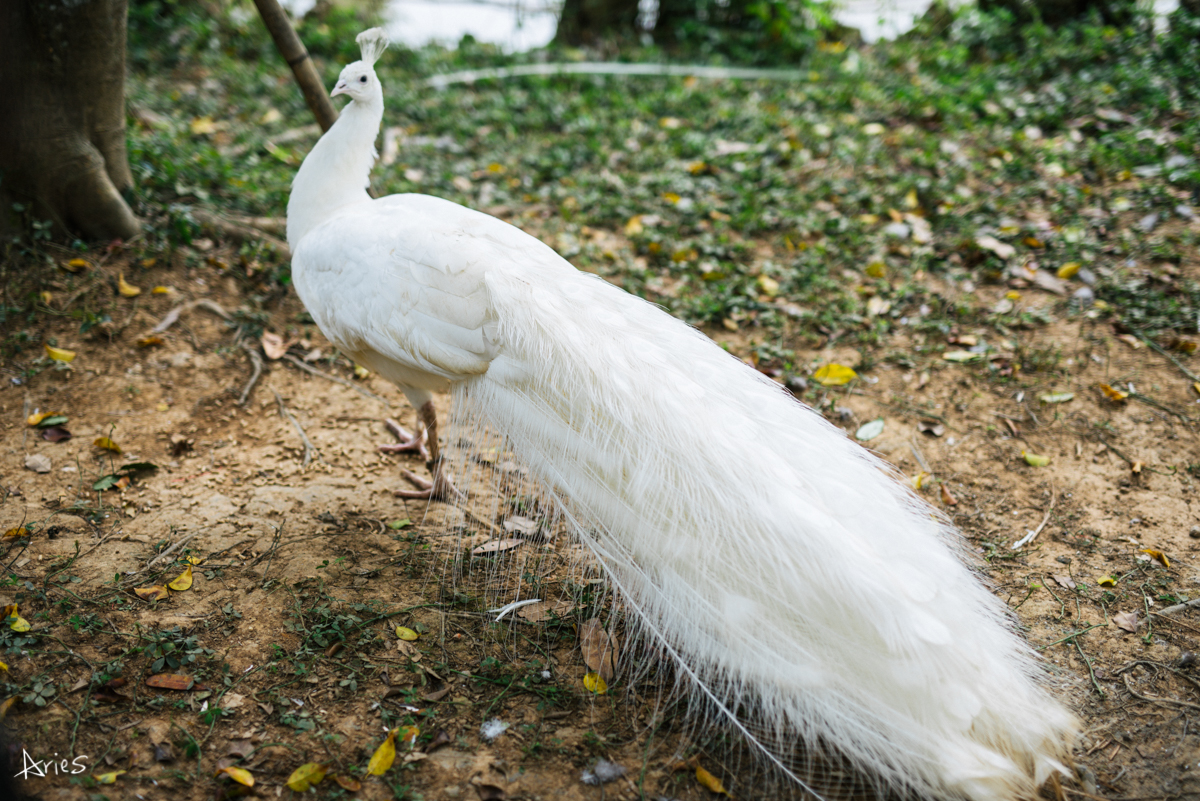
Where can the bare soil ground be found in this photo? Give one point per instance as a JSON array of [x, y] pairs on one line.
[[304, 571]]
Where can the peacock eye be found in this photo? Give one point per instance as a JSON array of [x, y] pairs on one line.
[[363, 79]]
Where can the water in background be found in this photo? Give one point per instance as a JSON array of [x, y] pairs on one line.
[[520, 25]]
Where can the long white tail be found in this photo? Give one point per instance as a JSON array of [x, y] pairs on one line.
[[781, 565]]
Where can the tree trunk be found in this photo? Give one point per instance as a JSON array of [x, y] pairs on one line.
[[585, 21], [62, 115]]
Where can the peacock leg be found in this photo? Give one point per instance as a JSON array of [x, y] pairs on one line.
[[441, 488], [414, 442]]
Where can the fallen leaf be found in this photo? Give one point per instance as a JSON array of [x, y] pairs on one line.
[[150, 341], [361, 373], [60, 355], [16, 533], [599, 650], [1057, 397], [962, 356], [1130, 340], [920, 480], [869, 431], [768, 285], [156, 592], [544, 610], [55, 434], [594, 683], [384, 756], [239, 775], [947, 498], [1113, 394], [1157, 556], [1068, 270], [834, 375], [183, 581], [171, 681], [7, 705], [348, 783], [107, 444], [710, 782], [37, 463], [306, 776], [1001, 249], [1066, 582], [37, 418], [1034, 460], [76, 265], [109, 778], [406, 633], [496, 546], [931, 427], [127, 290], [1106, 581], [1127, 621], [408, 735], [273, 345]]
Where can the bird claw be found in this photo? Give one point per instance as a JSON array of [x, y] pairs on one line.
[[440, 489], [414, 443]]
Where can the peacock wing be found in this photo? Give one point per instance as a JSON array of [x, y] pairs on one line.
[[400, 284]]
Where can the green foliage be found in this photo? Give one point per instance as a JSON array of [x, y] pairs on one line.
[[173, 649]]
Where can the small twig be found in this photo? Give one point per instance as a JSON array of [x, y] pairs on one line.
[[173, 315], [150, 565], [1154, 700], [916, 452], [1170, 610], [309, 448], [1070, 636], [360, 390], [241, 232], [1031, 536], [1088, 662], [1163, 352], [257, 363]]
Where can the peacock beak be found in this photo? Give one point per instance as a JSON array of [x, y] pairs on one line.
[[341, 89]]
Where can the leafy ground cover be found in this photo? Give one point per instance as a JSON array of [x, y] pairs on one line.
[[994, 230]]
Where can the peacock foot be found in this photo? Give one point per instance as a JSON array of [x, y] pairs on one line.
[[441, 488], [414, 443]]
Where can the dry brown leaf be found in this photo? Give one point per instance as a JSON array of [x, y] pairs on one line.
[[1066, 582], [496, 546], [1157, 556], [1127, 621], [274, 346], [947, 497], [154, 593], [599, 650], [171, 681]]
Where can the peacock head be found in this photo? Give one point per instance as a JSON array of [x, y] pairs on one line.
[[358, 80]]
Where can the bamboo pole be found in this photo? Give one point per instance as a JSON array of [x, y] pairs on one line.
[[293, 51]]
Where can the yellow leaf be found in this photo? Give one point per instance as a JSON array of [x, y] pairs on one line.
[[3, 666], [1033, 460], [710, 781], [1196, 387], [768, 285], [16, 533], [109, 778], [38, 417], [155, 593], [834, 375], [203, 125], [194, 560], [1068, 270], [409, 735], [60, 355], [161, 407], [1012, 294], [593, 683], [634, 226], [7, 705], [47, 297], [161, 290], [405, 633], [910, 200], [126, 290], [671, 197], [1106, 581], [877, 269], [183, 581], [107, 444], [306, 776], [868, 219], [1113, 394], [20, 624], [1157, 556], [76, 265], [149, 262], [384, 756], [1034, 242], [239, 775], [920, 479], [496, 168], [697, 167], [361, 373], [150, 341]]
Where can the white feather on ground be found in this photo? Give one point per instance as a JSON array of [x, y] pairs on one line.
[[782, 568]]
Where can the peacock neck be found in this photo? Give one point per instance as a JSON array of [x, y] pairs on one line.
[[337, 170]]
